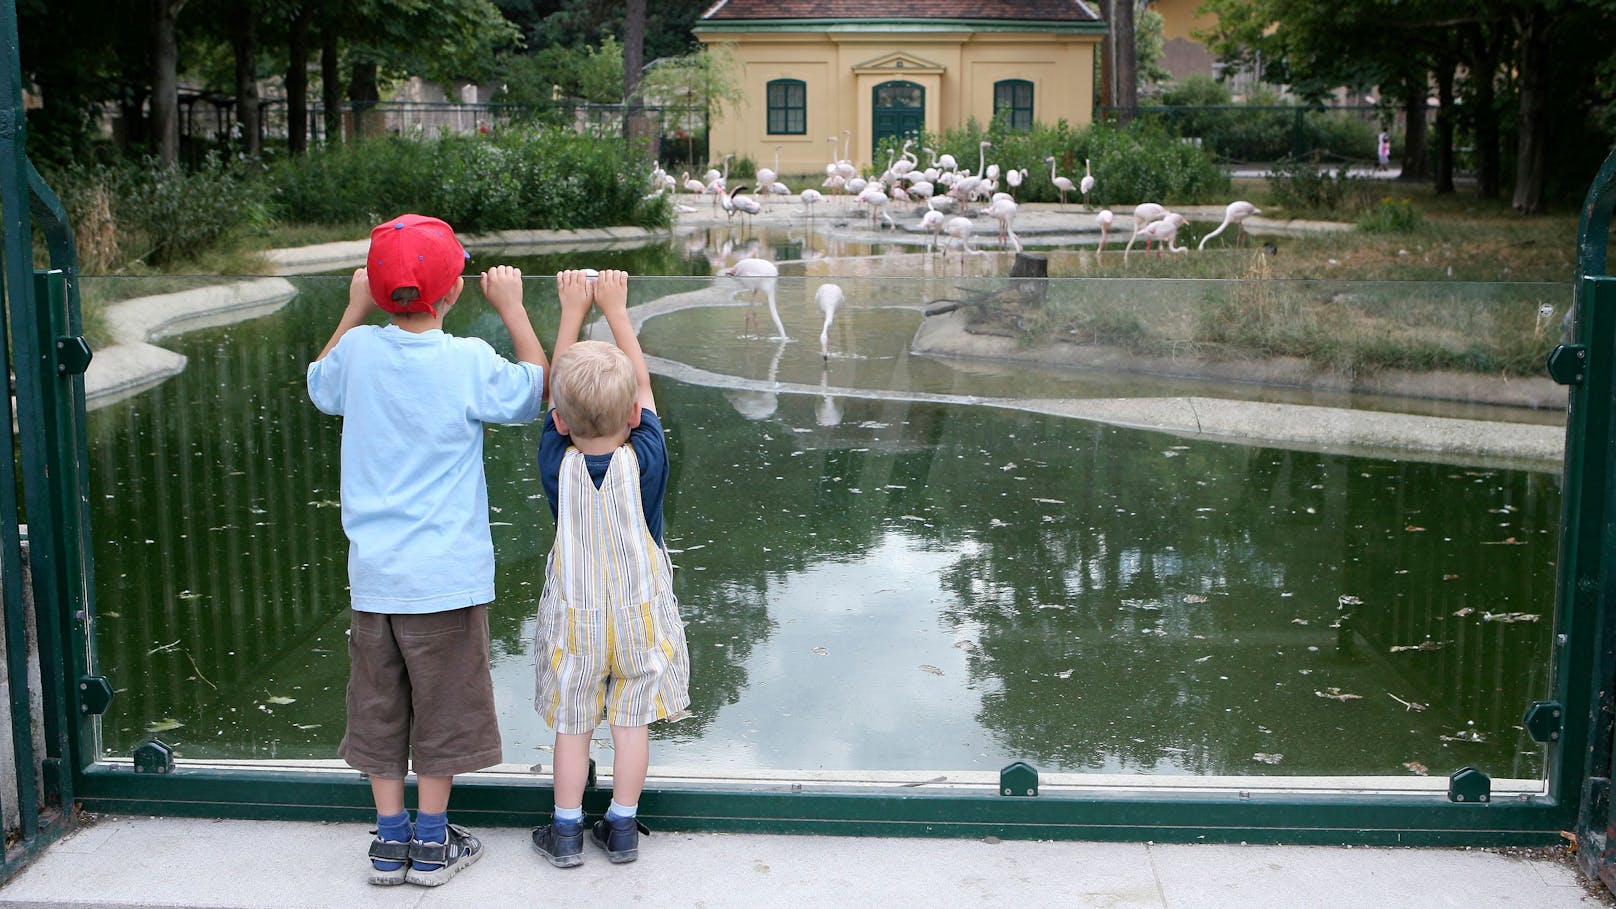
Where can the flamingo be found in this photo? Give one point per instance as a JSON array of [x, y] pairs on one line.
[[778, 189], [1015, 176], [754, 275], [932, 223], [765, 176], [1143, 214], [1163, 231], [1064, 184], [830, 298], [876, 198], [692, 185], [1086, 185], [735, 202], [1003, 210], [959, 227], [1234, 213], [760, 404], [810, 197], [716, 182], [1104, 219]]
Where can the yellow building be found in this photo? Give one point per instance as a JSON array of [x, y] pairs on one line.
[[812, 69], [1183, 54]]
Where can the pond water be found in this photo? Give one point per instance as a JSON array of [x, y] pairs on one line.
[[878, 571]]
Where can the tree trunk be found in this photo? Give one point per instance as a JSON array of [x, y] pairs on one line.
[[1484, 70], [1126, 68], [330, 84], [1416, 151], [1531, 155], [1444, 126], [244, 41], [1108, 59], [297, 84], [364, 91], [165, 98], [633, 50]]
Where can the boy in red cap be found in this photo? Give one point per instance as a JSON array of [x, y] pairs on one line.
[[413, 401]]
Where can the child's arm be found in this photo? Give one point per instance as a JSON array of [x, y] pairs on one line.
[[502, 288], [360, 306], [611, 295], [573, 289]]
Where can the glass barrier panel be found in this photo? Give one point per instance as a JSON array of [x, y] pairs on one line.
[[1145, 528]]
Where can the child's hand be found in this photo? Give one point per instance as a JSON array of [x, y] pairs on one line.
[[611, 292], [502, 288], [575, 291], [360, 301]]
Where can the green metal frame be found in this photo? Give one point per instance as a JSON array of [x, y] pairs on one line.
[[50, 414]]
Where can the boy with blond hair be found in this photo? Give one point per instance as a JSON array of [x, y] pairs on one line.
[[413, 402], [609, 640]]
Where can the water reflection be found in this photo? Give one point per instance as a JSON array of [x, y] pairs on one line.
[[870, 583]]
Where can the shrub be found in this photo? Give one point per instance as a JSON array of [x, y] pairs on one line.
[[538, 179], [1304, 186], [1391, 216]]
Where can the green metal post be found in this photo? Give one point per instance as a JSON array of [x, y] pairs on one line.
[[1585, 674]]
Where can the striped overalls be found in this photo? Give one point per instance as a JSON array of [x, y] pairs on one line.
[[609, 636]]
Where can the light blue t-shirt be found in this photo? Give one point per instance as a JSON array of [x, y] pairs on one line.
[[414, 500]]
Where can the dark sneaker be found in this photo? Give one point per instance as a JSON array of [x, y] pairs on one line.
[[620, 837], [396, 851], [562, 845], [450, 857]]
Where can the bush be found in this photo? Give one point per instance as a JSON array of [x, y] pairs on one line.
[[1304, 186], [156, 213], [1391, 216], [536, 179]]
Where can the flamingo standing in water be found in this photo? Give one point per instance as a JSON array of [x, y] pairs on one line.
[[1086, 185], [810, 197], [1003, 210], [1143, 214], [765, 176], [830, 298], [1064, 184], [754, 275], [932, 223], [1104, 219], [1235, 213], [876, 198], [959, 228]]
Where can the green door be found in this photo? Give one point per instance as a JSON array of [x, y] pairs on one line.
[[900, 110]]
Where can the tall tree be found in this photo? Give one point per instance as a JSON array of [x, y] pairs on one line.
[[244, 42], [165, 101], [297, 81], [633, 48]]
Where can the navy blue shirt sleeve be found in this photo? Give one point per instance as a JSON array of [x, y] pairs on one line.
[[650, 447]]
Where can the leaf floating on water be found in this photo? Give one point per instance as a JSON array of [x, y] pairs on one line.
[[1469, 736], [966, 646], [1510, 617], [1407, 705], [927, 667], [1336, 694], [1063, 674], [1507, 541], [1298, 621], [188, 595], [1461, 613], [1423, 645], [1347, 599], [164, 725], [277, 699], [1194, 598], [1048, 501], [995, 522], [1263, 757], [1417, 767], [1203, 659], [307, 725], [1414, 528], [820, 651], [1450, 577]]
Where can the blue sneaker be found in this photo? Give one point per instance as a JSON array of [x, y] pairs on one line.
[[562, 845], [620, 837], [394, 852], [444, 860]]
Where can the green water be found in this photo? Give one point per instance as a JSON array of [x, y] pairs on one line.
[[870, 583]]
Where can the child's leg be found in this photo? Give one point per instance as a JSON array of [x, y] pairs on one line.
[[630, 763], [571, 770], [432, 812], [392, 824]]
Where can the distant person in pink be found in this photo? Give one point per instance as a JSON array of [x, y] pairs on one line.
[[1385, 150]]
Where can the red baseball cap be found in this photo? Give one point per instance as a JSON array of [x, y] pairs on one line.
[[413, 251]]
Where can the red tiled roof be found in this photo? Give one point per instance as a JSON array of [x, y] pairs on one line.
[[1040, 10]]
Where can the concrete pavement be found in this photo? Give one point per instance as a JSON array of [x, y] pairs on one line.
[[171, 862]]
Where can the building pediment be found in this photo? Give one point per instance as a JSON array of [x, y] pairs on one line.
[[898, 62]]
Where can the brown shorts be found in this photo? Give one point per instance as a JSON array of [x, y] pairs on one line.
[[419, 694]]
